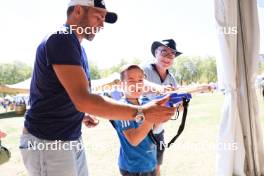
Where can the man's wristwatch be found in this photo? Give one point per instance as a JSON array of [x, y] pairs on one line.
[[140, 115]]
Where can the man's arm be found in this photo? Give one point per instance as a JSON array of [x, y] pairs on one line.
[[136, 135], [74, 80]]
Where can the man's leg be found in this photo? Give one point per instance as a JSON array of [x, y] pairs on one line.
[[81, 160], [67, 161], [59, 159], [31, 158]]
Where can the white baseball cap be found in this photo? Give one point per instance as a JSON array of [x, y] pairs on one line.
[[110, 17]]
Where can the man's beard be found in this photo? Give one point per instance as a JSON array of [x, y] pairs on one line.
[[89, 37]]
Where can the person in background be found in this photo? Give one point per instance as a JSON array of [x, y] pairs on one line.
[[158, 72]]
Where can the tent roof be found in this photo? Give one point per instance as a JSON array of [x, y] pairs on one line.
[[21, 85], [24, 86], [110, 79]]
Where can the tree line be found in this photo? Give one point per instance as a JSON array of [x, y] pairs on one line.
[[15, 72], [186, 70]]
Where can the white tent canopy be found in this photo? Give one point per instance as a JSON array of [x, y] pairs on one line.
[[24, 86], [21, 87], [240, 126], [99, 83]]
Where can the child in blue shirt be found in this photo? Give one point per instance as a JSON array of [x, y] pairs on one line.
[[137, 155]]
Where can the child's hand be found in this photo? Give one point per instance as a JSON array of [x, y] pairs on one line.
[[90, 121], [2, 135]]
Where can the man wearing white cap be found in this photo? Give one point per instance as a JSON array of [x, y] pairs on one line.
[[51, 143]]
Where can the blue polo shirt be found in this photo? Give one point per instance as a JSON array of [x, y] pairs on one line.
[[52, 114], [135, 159]]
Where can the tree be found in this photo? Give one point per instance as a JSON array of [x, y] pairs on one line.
[[186, 70], [261, 67], [136, 61], [208, 67], [14, 73], [113, 69], [195, 69], [94, 71]]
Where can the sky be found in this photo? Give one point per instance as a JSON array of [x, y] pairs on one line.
[[190, 23]]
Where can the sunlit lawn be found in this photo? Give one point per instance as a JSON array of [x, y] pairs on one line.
[[193, 153]]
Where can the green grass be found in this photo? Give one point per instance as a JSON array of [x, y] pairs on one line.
[[193, 153], [9, 114]]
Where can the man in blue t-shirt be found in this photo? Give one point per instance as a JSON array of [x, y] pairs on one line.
[[60, 96]]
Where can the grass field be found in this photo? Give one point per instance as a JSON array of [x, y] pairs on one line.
[[193, 155]]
